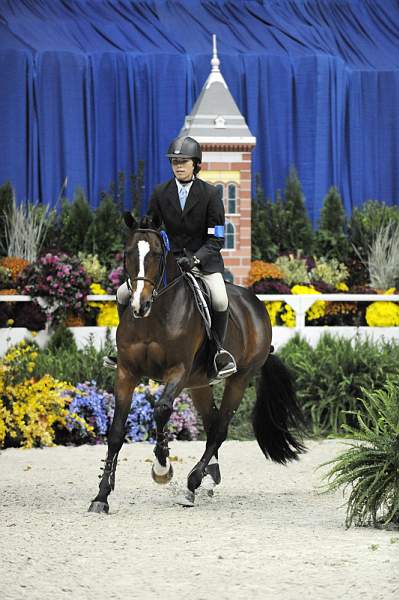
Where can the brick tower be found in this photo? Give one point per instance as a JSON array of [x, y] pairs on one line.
[[226, 142]]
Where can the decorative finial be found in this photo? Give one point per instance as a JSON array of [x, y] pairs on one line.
[[215, 75], [215, 62]]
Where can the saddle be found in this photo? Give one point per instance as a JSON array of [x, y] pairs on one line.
[[202, 298]]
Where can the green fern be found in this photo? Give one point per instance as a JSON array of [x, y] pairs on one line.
[[369, 469]]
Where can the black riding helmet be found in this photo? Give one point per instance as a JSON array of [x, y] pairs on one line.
[[185, 147]]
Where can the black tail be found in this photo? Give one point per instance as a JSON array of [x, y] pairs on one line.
[[276, 411]]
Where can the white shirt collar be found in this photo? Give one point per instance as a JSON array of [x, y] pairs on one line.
[[187, 186]]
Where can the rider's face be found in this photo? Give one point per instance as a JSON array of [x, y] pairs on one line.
[[183, 168]]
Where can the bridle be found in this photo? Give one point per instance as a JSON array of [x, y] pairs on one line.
[[162, 267], [156, 285]]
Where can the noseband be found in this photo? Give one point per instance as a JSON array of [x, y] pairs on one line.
[[155, 284]]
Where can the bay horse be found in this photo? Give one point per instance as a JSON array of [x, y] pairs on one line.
[[162, 336]]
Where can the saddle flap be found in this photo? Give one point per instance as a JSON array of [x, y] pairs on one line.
[[202, 298]]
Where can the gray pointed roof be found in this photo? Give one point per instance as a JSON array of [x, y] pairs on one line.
[[215, 117]]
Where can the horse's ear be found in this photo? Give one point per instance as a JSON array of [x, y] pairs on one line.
[[130, 221], [151, 221], [156, 220]]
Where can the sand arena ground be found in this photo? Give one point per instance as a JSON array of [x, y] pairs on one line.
[[266, 534]]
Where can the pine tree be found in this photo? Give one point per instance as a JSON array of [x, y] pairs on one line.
[[76, 219], [265, 242], [105, 234], [299, 233], [331, 239]]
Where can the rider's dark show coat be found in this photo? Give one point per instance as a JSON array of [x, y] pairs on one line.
[[193, 228]]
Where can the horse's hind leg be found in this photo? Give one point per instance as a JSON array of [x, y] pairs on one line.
[[233, 394], [205, 405], [124, 387]]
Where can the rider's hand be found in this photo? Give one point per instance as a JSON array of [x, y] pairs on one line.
[[186, 263]]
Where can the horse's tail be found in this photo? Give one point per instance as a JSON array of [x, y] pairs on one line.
[[276, 411]]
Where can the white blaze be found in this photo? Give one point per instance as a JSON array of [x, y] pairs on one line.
[[144, 248]]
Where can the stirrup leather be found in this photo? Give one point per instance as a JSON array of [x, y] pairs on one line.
[[229, 368]]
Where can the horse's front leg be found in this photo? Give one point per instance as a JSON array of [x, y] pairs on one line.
[[162, 470], [124, 387]]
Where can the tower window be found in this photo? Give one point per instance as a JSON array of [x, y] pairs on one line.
[[230, 237], [220, 187], [232, 198]]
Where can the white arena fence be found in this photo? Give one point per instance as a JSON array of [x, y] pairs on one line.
[[299, 303]]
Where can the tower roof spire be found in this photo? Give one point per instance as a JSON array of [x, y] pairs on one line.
[[215, 116], [215, 62]]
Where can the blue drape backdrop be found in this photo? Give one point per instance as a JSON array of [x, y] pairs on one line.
[[90, 87]]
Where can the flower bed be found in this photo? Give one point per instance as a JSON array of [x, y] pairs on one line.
[[42, 410]]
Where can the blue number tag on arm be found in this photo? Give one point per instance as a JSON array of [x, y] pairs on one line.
[[165, 238], [219, 231]]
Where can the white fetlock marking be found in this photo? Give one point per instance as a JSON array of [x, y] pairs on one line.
[[208, 484], [160, 469]]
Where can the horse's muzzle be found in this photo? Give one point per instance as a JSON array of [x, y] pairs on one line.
[[143, 311]]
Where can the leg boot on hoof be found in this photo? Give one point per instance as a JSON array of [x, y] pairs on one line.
[[160, 474], [99, 507], [212, 478]]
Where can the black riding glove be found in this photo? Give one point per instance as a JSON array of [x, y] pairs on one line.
[[186, 263]]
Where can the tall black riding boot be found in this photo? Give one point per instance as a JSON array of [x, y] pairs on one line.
[[224, 362], [111, 361]]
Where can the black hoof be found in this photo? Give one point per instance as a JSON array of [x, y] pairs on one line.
[[99, 507], [162, 479]]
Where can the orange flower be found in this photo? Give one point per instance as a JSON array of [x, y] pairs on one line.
[[15, 264], [263, 270]]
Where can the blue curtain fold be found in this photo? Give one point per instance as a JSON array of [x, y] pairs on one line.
[[90, 87]]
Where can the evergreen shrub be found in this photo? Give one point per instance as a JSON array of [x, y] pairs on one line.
[[331, 239], [331, 377]]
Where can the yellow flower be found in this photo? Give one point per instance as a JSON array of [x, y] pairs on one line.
[[273, 308], [382, 314], [97, 290], [288, 316], [342, 287], [318, 309], [10, 322], [108, 315], [33, 409], [280, 312]]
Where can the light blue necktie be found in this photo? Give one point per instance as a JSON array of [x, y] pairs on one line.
[[182, 196]]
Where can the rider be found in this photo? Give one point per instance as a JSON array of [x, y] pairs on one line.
[[193, 216]]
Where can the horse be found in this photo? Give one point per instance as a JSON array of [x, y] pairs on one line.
[[162, 336]]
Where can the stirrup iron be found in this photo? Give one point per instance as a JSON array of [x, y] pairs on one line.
[[110, 362], [227, 369]]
